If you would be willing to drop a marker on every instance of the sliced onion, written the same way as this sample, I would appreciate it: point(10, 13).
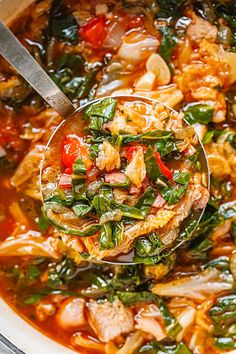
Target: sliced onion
point(114, 36)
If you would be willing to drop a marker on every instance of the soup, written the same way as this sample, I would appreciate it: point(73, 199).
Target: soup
point(181, 54)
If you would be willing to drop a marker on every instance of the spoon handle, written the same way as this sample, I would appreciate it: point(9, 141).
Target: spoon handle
point(19, 57)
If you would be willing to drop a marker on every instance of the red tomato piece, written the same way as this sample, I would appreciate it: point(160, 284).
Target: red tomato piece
point(65, 181)
point(74, 148)
point(68, 170)
point(164, 169)
point(94, 32)
point(130, 150)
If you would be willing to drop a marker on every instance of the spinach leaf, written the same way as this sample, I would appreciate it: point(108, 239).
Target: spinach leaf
point(33, 299)
point(128, 211)
point(164, 147)
point(145, 138)
point(57, 215)
point(146, 201)
point(111, 235)
point(32, 273)
point(73, 61)
point(168, 42)
point(149, 246)
point(153, 169)
point(181, 177)
point(61, 273)
point(88, 83)
point(159, 348)
point(99, 281)
point(172, 8)
point(225, 343)
point(79, 167)
point(64, 198)
point(81, 209)
point(42, 223)
point(172, 194)
point(211, 218)
point(223, 315)
point(105, 109)
point(221, 263)
point(105, 239)
point(62, 23)
point(199, 247)
point(198, 113)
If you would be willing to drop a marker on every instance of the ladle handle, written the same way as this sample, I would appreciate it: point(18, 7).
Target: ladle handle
point(19, 57)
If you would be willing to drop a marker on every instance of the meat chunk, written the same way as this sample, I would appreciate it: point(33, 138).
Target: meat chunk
point(201, 29)
point(71, 313)
point(149, 320)
point(108, 157)
point(109, 320)
point(201, 197)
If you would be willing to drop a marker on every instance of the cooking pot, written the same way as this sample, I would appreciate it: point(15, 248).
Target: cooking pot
point(16, 333)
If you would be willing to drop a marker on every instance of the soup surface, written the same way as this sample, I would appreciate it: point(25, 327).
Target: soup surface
point(178, 302)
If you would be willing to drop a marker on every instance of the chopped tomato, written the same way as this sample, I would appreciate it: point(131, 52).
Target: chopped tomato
point(68, 170)
point(65, 181)
point(94, 32)
point(164, 169)
point(74, 148)
point(130, 150)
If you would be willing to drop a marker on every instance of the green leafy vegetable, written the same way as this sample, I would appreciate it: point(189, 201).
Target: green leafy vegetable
point(170, 9)
point(173, 194)
point(159, 348)
point(32, 273)
point(146, 201)
point(79, 167)
point(81, 209)
point(199, 247)
point(165, 147)
point(198, 113)
point(145, 138)
point(181, 177)
point(33, 299)
point(62, 23)
point(168, 41)
point(73, 61)
point(149, 246)
point(223, 315)
point(42, 223)
point(105, 108)
point(225, 343)
point(105, 239)
point(57, 216)
point(153, 169)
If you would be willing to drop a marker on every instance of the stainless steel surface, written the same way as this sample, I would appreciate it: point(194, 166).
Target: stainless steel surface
point(18, 56)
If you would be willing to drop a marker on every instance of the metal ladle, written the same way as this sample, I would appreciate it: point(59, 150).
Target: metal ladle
point(18, 56)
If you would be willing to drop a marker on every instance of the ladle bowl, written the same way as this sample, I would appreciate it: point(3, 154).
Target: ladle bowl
point(51, 166)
